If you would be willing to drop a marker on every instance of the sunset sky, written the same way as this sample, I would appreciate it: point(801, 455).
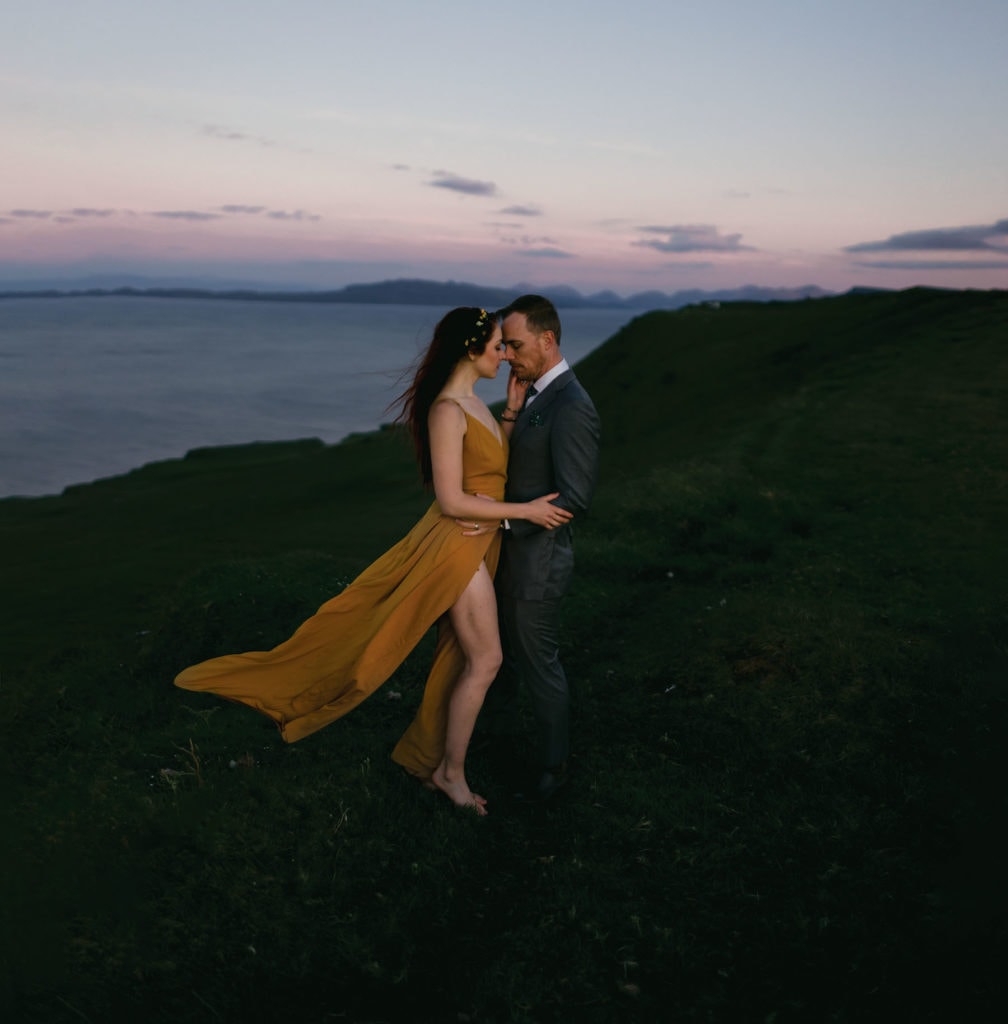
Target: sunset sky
point(631, 146)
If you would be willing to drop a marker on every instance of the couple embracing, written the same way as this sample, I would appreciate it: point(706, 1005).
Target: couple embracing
point(489, 562)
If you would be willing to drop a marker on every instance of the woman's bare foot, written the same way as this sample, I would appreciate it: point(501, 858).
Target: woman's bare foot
point(434, 788)
point(458, 792)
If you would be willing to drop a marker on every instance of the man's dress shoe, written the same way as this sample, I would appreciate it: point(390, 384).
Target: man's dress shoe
point(544, 787)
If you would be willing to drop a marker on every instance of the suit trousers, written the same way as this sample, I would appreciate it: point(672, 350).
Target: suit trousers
point(532, 656)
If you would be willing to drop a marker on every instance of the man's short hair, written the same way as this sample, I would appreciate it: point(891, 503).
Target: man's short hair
point(540, 314)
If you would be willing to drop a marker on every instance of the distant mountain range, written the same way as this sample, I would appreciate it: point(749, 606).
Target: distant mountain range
point(416, 292)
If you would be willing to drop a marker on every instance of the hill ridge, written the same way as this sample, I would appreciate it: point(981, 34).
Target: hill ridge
point(423, 292)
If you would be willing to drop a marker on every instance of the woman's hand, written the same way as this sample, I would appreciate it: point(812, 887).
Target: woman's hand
point(516, 389)
point(543, 513)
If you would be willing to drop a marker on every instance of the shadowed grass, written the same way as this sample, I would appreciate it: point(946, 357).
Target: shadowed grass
point(787, 644)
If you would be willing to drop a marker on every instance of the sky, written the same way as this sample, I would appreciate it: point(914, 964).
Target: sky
point(627, 146)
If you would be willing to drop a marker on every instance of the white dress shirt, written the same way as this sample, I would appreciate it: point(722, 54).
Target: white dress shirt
point(546, 379)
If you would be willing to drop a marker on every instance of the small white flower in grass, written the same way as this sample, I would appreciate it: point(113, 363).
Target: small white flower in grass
point(394, 695)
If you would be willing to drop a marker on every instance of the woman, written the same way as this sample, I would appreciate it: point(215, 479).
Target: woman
point(438, 573)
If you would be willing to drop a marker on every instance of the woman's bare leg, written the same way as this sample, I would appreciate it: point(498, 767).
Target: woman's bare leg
point(474, 619)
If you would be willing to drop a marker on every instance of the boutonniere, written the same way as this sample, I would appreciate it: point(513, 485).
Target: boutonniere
point(535, 420)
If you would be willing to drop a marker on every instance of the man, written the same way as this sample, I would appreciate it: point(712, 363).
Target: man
point(554, 447)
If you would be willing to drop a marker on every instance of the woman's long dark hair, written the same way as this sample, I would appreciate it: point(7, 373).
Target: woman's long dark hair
point(463, 330)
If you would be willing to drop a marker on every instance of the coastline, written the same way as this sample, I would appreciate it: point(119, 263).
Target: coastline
point(94, 388)
point(222, 455)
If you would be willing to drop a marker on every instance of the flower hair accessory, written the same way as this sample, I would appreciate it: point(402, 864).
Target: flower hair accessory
point(481, 322)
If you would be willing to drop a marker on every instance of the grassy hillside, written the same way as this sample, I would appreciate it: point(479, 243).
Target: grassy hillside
point(788, 646)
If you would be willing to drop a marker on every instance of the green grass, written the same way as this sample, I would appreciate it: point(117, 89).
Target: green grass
point(788, 646)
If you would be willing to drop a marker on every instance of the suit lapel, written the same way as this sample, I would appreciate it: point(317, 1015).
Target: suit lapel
point(540, 406)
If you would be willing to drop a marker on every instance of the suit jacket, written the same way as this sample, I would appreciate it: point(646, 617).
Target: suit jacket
point(554, 447)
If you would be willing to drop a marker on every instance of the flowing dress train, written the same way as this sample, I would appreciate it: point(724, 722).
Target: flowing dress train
point(356, 640)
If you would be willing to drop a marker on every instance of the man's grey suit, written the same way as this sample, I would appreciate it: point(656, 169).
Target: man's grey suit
point(554, 447)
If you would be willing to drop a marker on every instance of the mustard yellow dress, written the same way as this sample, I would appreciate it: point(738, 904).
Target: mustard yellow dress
point(357, 639)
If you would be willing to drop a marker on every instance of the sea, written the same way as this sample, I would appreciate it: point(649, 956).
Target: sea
point(92, 387)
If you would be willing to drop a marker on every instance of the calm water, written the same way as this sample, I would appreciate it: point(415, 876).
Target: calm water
point(94, 387)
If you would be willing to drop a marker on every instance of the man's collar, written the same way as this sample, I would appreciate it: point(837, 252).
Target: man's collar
point(551, 375)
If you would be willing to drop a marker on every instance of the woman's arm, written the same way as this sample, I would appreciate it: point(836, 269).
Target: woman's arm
point(447, 425)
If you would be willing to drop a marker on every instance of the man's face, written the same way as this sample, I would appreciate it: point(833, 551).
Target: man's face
point(529, 354)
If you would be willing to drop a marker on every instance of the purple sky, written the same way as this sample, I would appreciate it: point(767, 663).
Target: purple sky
point(630, 147)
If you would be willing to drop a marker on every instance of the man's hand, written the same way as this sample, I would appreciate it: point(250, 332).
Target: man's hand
point(479, 527)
